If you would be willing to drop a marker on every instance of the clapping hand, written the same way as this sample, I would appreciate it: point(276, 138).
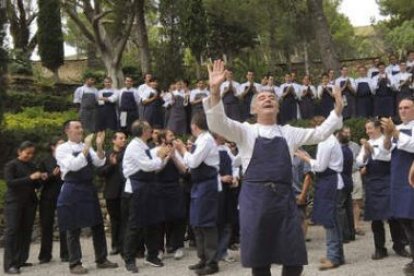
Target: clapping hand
point(100, 138)
point(303, 155)
point(88, 140)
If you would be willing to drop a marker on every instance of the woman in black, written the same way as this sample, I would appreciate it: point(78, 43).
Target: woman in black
point(22, 178)
point(47, 206)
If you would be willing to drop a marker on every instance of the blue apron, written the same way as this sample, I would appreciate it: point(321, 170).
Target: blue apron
point(364, 105)
point(327, 102)
point(307, 106)
point(377, 190)
point(146, 206)
point(402, 194)
point(270, 226)
point(373, 74)
point(288, 106)
point(177, 120)
point(349, 108)
point(87, 112)
point(106, 117)
point(128, 105)
point(204, 196)
point(245, 104)
point(78, 204)
point(151, 111)
point(347, 167)
point(324, 202)
point(231, 105)
point(171, 193)
point(384, 100)
point(195, 108)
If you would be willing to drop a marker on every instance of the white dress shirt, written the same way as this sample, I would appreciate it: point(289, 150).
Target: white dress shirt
point(195, 92)
point(245, 134)
point(321, 87)
point(371, 71)
point(366, 80)
point(136, 159)
point(134, 91)
point(351, 80)
point(391, 67)
point(147, 93)
point(77, 97)
point(142, 88)
point(273, 88)
point(296, 89)
point(303, 88)
point(379, 152)
point(225, 85)
point(329, 155)
point(405, 142)
point(154, 152)
point(398, 78)
point(168, 99)
point(68, 162)
point(242, 87)
point(113, 98)
point(377, 78)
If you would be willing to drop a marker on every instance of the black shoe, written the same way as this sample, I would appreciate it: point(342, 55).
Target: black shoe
point(409, 269)
point(197, 266)
point(379, 254)
point(154, 262)
point(207, 270)
point(44, 261)
point(106, 264)
point(12, 270)
point(25, 265)
point(131, 268)
point(402, 252)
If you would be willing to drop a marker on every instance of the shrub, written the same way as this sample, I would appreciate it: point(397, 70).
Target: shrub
point(16, 102)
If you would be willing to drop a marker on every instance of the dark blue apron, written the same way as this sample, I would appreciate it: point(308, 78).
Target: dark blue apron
point(364, 105)
point(87, 112)
point(402, 194)
point(231, 105)
point(307, 105)
point(204, 196)
point(106, 117)
point(288, 106)
point(177, 121)
point(78, 203)
point(270, 226)
point(327, 102)
point(171, 193)
point(349, 108)
point(347, 167)
point(384, 100)
point(373, 74)
point(324, 202)
point(195, 108)
point(245, 103)
point(150, 111)
point(128, 105)
point(227, 206)
point(146, 206)
point(394, 72)
point(377, 190)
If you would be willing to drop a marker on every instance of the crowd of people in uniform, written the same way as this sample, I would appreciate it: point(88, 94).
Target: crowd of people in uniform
point(241, 181)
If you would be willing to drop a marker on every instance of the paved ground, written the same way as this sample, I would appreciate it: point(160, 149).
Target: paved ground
point(357, 254)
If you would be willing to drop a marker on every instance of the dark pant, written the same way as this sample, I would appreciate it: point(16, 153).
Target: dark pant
point(47, 208)
point(408, 226)
point(346, 214)
point(207, 244)
point(99, 245)
point(19, 218)
point(173, 232)
point(224, 235)
point(396, 231)
point(125, 205)
point(114, 210)
point(151, 236)
point(286, 271)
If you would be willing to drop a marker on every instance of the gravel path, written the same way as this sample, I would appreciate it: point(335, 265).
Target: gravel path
point(357, 254)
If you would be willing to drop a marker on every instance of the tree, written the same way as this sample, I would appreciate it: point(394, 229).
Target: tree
point(107, 25)
point(398, 10)
point(21, 14)
point(323, 35)
point(142, 38)
point(50, 36)
point(3, 55)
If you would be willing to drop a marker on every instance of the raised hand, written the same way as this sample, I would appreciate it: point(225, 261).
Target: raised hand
point(388, 126)
point(216, 73)
point(88, 140)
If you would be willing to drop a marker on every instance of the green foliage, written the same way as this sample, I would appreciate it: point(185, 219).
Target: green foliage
point(3, 60)
point(99, 75)
point(49, 34)
point(402, 37)
point(17, 101)
point(398, 10)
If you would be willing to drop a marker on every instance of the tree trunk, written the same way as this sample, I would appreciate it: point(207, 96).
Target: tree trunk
point(114, 71)
point(286, 53)
point(272, 40)
point(93, 62)
point(323, 36)
point(306, 56)
point(198, 68)
point(142, 38)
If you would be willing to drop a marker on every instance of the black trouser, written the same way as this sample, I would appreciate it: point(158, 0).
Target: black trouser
point(190, 233)
point(286, 271)
point(99, 245)
point(408, 226)
point(114, 210)
point(173, 232)
point(125, 205)
point(207, 244)
point(396, 230)
point(150, 234)
point(19, 218)
point(346, 215)
point(47, 208)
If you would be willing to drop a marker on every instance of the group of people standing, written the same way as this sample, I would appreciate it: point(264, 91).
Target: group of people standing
point(233, 182)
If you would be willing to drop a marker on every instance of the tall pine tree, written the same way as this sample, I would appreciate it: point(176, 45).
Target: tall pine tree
point(3, 55)
point(50, 36)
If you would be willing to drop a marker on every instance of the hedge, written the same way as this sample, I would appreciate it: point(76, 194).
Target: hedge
point(16, 101)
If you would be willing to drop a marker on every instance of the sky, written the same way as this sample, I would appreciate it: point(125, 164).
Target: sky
point(360, 12)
